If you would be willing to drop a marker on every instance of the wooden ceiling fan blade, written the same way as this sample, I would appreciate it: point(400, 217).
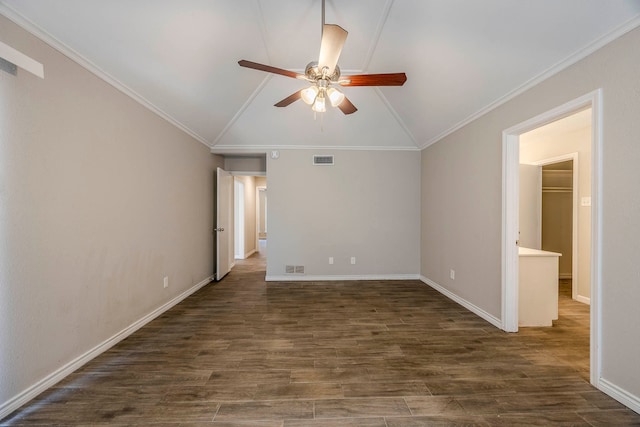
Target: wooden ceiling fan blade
point(269, 69)
point(347, 107)
point(391, 79)
point(289, 99)
point(333, 39)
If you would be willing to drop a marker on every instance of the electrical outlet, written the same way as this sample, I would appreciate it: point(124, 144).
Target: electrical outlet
point(330, 260)
point(166, 281)
point(353, 260)
point(452, 274)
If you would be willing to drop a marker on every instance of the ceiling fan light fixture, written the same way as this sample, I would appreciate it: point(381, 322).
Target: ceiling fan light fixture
point(335, 96)
point(319, 105)
point(309, 94)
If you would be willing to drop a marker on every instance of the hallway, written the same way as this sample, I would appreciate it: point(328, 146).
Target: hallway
point(243, 352)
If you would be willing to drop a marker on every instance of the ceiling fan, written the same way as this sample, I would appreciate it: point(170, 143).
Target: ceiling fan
point(325, 74)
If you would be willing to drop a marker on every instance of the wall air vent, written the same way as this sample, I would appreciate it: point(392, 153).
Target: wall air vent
point(294, 269)
point(319, 160)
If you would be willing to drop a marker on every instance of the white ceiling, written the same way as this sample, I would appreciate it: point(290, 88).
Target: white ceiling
point(461, 57)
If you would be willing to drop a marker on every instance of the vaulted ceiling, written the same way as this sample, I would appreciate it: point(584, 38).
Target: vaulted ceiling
point(461, 57)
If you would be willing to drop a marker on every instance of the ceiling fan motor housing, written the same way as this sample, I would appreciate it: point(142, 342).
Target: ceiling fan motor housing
point(314, 74)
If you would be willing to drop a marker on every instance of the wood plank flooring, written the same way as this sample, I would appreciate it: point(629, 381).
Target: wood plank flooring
point(243, 352)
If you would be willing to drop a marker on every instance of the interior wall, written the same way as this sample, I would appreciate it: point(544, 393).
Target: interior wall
point(365, 206)
point(462, 200)
point(540, 146)
point(100, 199)
point(253, 164)
point(557, 214)
point(249, 214)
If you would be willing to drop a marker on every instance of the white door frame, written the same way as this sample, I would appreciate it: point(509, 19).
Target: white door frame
point(510, 199)
point(574, 215)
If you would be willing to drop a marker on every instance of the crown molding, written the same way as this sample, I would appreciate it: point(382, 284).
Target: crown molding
point(263, 149)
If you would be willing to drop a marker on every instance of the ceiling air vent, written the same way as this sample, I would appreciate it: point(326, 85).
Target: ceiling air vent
point(319, 160)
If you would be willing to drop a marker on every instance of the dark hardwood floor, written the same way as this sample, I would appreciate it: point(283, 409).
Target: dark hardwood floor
point(243, 352)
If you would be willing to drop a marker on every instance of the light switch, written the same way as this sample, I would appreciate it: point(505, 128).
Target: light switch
point(585, 201)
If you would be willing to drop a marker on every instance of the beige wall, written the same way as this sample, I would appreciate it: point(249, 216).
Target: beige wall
point(366, 206)
point(557, 236)
point(255, 164)
point(535, 147)
point(99, 200)
point(462, 199)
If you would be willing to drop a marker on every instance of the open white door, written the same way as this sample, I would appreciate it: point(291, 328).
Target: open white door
point(224, 203)
point(530, 215)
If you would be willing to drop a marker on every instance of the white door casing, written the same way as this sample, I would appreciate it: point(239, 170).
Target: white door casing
point(510, 196)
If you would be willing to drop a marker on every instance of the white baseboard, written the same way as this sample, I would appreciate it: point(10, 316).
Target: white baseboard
point(583, 300)
point(333, 278)
point(629, 400)
point(466, 304)
point(17, 401)
point(248, 254)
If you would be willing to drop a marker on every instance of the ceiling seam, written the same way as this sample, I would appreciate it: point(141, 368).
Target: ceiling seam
point(377, 34)
point(393, 112)
point(263, 29)
point(83, 62)
point(242, 109)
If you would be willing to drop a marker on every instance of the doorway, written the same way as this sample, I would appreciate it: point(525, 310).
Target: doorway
point(511, 161)
point(238, 219)
point(561, 225)
point(248, 215)
point(261, 216)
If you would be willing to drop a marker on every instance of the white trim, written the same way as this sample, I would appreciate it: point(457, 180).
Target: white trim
point(597, 117)
point(629, 400)
point(510, 257)
point(247, 173)
point(567, 62)
point(251, 252)
point(463, 302)
point(21, 60)
point(510, 146)
point(575, 239)
point(20, 399)
point(583, 300)
point(260, 149)
point(70, 53)
point(332, 278)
